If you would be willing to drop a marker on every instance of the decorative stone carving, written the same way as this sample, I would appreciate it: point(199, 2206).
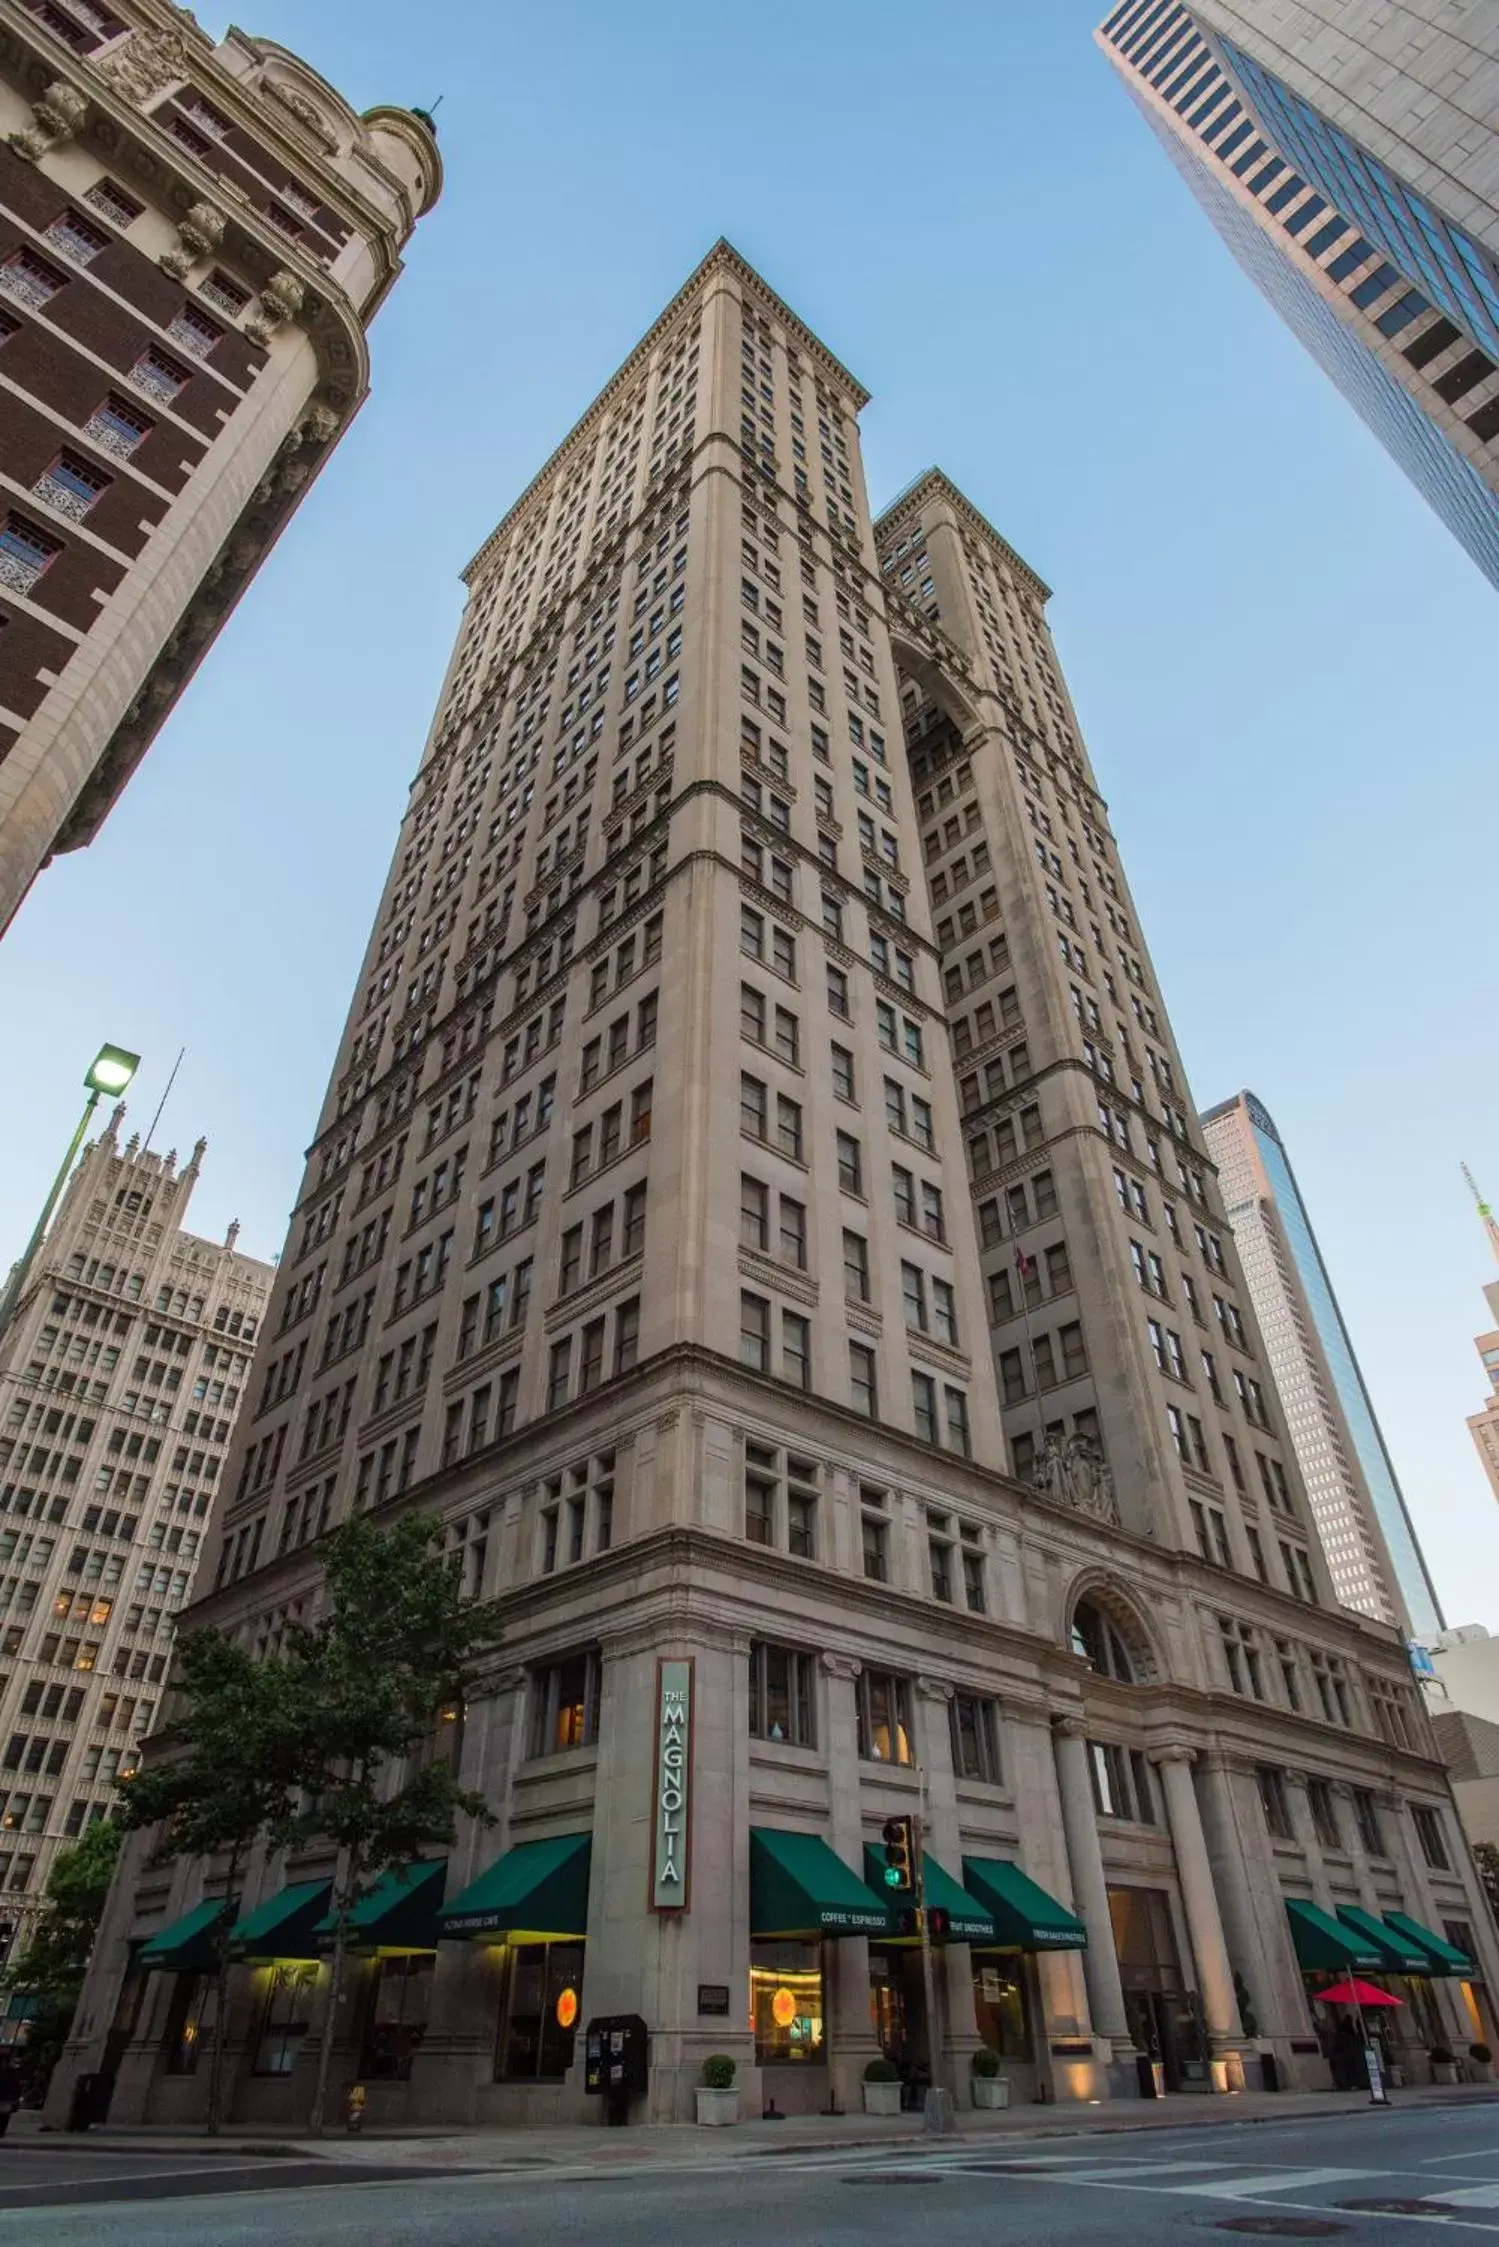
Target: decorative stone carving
point(149, 61)
point(199, 233)
point(1075, 1473)
point(840, 1665)
point(280, 299)
point(304, 109)
point(935, 1689)
point(319, 425)
point(58, 115)
point(1177, 1753)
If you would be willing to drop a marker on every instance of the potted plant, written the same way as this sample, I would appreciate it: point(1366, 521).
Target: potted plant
point(717, 2097)
point(882, 2087)
point(1443, 2064)
point(1480, 2063)
point(989, 2087)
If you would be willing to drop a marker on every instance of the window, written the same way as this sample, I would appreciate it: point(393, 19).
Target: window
point(1241, 1657)
point(25, 553)
point(843, 1072)
point(975, 1743)
point(565, 1705)
point(863, 1380)
point(850, 1164)
point(1324, 1814)
point(395, 2019)
point(1273, 1802)
point(1121, 1783)
point(190, 2018)
point(754, 1332)
point(533, 2046)
point(1366, 1818)
point(781, 1695)
point(780, 1499)
point(1431, 1834)
point(1095, 1637)
point(885, 1718)
point(754, 1214)
point(855, 1267)
point(875, 1535)
point(924, 1406)
point(796, 1353)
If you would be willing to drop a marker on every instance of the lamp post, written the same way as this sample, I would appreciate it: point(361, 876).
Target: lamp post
point(110, 1071)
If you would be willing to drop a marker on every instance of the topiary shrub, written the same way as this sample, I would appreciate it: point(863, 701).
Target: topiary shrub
point(1480, 2053)
point(986, 2061)
point(882, 2071)
point(1440, 2057)
point(719, 2072)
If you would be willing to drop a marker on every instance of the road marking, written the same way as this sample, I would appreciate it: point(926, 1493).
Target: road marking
point(1140, 2171)
point(1468, 2196)
point(1256, 2186)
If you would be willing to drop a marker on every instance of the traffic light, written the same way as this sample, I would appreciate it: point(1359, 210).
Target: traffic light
point(910, 1921)
point(938, 1923)
point(899, 1875)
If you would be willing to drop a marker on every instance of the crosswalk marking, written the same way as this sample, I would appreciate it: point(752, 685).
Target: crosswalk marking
point(1255, 2186)
point(1141, 2171)
point(1467, 2196)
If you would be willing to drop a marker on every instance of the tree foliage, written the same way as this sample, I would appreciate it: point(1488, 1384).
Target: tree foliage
point(51, 1968)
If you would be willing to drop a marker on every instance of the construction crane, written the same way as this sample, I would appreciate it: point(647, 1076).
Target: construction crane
point(1490, 1226)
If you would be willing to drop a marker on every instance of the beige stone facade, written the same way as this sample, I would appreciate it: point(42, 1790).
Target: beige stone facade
point(756, 1016)
point(194, 237)
point(121, 1371)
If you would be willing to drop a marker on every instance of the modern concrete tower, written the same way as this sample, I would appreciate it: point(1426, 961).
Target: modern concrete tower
point(1371, 1544)
point(716, 964)
point(1370, 223)
point(194, 238)
point(120, 1375)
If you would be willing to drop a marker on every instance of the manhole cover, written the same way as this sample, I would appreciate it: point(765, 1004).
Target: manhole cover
point(1280, 2227)
point(1397, 2207)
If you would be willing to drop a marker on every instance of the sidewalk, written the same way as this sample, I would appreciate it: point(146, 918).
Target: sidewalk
point(571, 2146)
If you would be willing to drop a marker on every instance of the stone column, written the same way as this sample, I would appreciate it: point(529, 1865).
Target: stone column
point(1090, 1889)
point(850, 2026)
point(1247, 1882)
point(952, 1963)
point(1194, 1872)
point(1306, 1840)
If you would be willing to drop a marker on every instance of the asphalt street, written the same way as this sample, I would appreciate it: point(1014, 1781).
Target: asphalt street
point(1389, 2178)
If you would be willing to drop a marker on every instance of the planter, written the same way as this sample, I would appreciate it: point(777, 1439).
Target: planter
point(990, 2090)
point(1480, 2071)
point(882, 2098)
point(716, 2109)
point(1444, 2071)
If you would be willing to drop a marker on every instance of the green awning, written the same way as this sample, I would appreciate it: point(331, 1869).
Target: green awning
point(399, 1913)
point(1025, 1917)
point(1398, 1952)
point(282, 1926)
point(539, 1889)
point(970, 1923)
point(799, 1887)
point(1324, 1946)
point(190, 1944)
point(1445, 1957)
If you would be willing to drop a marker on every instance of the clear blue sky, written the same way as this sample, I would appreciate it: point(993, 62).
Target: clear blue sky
point(1283, 663)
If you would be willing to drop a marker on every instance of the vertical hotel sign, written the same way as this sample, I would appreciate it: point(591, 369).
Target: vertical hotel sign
point(671, 1850)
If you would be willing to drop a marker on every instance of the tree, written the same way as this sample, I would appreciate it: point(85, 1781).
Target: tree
point(231, 1769)
point(396, 1646)
point(50, 1970)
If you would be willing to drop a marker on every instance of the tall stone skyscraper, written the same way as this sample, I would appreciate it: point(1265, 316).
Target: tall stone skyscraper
point(755, 920)
point(1371, 1544)
point(121, 1372)
point(194, 238)
point(1349, 157)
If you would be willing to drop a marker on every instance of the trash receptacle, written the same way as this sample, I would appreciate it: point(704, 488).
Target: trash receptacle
point(1269, 2072)
point(1145, 2067)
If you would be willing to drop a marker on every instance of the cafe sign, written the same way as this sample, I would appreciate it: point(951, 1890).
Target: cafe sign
point(670, 1851)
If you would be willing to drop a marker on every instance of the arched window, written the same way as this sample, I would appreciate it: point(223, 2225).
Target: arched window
point(1097, 1637)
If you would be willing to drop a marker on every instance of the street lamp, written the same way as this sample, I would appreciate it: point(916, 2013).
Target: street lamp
point(110, 1072)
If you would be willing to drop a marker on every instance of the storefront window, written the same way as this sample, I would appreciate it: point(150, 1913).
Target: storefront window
point(190, 2019)
point(884, 1718)
point(285, 2021)
point(1000, 2006)
point(786, 2003)
point(542, 2003)
point(396, 2018)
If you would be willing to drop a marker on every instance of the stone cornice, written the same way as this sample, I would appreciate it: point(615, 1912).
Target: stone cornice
point(722, 258)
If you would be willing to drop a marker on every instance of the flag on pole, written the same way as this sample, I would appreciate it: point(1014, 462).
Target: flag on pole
point(1024, 1264)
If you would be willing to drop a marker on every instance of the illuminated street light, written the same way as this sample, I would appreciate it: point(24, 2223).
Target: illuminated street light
point(110, 1071)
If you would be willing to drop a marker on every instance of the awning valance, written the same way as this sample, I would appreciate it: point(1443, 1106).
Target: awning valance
point(968, 1921)
point(1025, 1917)
point(1324, 1946)
point(190, 1944)
point(282, 1926)
point(1445, 1957)
point(400, 1911)
point(798, 1887)
point(539, 1889)
point(1399, 1953)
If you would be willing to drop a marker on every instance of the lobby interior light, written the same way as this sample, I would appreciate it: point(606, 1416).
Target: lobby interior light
point(112, 1070)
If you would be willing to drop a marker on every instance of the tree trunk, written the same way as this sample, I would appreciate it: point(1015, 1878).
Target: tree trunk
point(221, 1988)
point(347, 1889)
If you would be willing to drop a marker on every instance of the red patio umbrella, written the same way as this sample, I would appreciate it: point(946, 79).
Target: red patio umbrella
point(1357, 1993)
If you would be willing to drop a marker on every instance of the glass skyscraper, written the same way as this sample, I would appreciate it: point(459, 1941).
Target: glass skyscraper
point(1397, 302)
point(1372, 1550)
